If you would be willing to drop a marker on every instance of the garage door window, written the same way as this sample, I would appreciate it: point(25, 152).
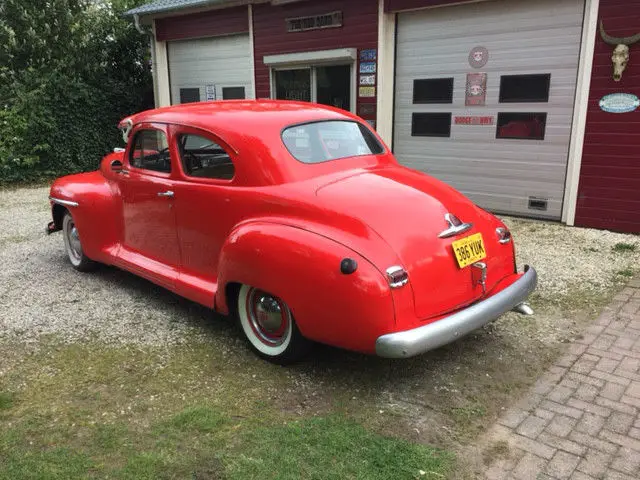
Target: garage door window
point(233, 93)
point(521, 126)
point(431, 125)
point(203, 158)
point(151, 151)
point(525, 88)
point(433, 90)
point(189, 95)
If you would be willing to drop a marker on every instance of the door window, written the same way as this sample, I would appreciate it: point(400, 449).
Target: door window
point(333, 86)
point(151, 151)
point(203, 158)
point(328, 85)
point(293, 84)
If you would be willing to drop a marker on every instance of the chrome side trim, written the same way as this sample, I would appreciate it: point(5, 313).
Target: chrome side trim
point(66, 203)
point(446, 330)
point(455, 227)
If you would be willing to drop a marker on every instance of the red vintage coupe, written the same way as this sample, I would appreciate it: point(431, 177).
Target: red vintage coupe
point(298, 219)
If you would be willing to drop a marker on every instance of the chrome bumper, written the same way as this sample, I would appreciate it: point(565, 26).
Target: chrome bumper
point(448, 329)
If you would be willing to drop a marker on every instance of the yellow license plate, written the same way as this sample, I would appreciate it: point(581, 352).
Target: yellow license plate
point(469, 250)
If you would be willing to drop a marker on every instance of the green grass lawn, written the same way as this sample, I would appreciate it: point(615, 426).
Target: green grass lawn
point(89, 411)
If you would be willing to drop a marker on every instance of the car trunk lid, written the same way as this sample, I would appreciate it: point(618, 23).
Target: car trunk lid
point(407, 209)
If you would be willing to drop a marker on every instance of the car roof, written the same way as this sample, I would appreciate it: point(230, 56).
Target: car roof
point(235, 116)
point(253, 128)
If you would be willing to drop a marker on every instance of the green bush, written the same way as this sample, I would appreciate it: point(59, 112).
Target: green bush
point(69, 71)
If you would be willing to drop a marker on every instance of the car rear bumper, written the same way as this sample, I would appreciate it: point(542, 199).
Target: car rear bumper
point(448, 329)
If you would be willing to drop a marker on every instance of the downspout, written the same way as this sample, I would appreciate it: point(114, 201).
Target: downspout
point(152, 43)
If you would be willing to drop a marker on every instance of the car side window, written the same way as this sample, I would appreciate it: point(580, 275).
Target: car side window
point(151, 151)
point(203, 158)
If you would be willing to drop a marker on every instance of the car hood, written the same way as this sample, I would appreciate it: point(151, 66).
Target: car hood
point(407, 209)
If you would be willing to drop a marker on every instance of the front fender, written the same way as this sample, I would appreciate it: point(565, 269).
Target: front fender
point(95, 210)
point(303, 269)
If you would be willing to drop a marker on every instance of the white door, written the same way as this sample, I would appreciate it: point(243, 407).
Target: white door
point(214, 68)
point(508, 152)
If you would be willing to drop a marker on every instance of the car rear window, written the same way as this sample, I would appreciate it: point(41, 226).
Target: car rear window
point(319, 142)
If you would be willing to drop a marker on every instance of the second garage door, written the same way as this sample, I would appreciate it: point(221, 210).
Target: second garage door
point(210, 69)
point(484, 99)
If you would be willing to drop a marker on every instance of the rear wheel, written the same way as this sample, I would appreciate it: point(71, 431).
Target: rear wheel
point(73, 246)
point(269, 326)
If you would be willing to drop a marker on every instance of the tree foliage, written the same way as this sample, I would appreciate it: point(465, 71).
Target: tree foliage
point(69, 71)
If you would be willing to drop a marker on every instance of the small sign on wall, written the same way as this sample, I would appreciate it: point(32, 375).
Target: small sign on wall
point(367, 79)
point(476, 91)
point(366, 109)
point(619, 103)
point(473, 120)
point(368, 55)
point(210, 92)
point(367, 92)
point(368, 67)
point(478, 57)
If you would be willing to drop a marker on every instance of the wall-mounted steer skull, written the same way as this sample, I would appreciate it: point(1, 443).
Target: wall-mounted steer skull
point(620, 55)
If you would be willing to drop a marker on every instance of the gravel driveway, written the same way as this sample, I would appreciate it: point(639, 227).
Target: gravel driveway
point(41, 294)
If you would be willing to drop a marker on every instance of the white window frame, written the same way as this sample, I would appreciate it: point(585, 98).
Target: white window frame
point(313, 60)
point(314, 80)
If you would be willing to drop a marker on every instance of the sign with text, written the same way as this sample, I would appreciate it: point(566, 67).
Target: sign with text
point(368, 67)
point(366, 92)
point(473, 120)
point(210, 92)
point(315, 22)
point(368, 55)
point(367, 79)
point(476, 92)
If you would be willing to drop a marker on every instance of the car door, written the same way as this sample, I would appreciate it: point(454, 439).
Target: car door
point(150, 242)
point(208, 203)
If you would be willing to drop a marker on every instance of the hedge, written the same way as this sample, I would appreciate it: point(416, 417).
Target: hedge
point(69, 71)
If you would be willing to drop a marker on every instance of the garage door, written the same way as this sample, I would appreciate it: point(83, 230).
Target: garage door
point(484, 99)
point(210, 69)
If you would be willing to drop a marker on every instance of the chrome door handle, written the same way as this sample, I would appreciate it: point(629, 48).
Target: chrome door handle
point(168, 193)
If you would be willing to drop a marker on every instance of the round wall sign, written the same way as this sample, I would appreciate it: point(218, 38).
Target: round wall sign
point(619, 103)
point(478, 57)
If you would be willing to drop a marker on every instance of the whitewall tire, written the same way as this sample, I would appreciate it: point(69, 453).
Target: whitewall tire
point(73, 245)
point(269, 326)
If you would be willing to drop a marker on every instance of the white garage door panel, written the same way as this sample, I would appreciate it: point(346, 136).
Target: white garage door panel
point(220, 61)
point(522, 37)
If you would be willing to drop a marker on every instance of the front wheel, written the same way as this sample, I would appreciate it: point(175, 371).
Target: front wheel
point(73, 247)
point(269, 326)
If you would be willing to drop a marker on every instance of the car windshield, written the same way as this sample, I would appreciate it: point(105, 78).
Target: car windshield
point(319, 142)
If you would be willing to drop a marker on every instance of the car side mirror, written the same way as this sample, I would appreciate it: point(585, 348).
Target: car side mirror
point(116, 166)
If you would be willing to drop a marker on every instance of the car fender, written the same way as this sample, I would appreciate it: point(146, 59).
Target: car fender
point(303, 269)
point(95, 207)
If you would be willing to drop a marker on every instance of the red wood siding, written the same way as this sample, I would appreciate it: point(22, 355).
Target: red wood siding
point(203, 24)
point(609, 188)
point(399, 5)
point(359, 30)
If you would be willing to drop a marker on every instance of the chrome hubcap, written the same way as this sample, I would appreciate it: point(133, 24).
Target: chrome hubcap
point(269, 317)
point(75, 248)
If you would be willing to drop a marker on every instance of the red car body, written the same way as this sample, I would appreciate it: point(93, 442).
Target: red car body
point(285, 227)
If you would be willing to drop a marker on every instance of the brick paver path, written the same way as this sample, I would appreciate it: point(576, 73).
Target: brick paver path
point(581, 420)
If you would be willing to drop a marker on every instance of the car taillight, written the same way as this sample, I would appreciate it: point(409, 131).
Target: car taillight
point(504, 235)
point(397, 276)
